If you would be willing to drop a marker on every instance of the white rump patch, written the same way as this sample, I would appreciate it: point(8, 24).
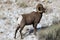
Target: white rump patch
point(19, 19)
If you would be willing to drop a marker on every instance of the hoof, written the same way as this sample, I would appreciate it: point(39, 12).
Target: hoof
point(34, 33)
point(21, 38)
point(14, 37)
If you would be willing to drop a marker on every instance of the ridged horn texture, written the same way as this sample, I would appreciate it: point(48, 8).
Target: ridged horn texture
point(40, 8)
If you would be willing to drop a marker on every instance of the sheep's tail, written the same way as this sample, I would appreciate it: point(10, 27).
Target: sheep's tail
point(16, 31)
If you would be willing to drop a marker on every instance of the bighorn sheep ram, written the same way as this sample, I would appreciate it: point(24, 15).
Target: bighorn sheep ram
point(31, 18)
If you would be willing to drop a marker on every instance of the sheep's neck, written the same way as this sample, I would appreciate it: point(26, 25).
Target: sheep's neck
point(40, 14)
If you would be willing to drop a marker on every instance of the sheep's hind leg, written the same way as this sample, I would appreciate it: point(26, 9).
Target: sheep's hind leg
point(21, 31)
point(16, 31)
point(22, 26)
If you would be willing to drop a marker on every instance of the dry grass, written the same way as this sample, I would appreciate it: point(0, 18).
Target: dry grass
point(23, 4)
point(50, 33)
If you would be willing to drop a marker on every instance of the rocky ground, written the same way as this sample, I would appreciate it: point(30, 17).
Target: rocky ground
point(11, 10)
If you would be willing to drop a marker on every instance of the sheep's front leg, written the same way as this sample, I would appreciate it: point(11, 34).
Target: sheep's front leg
point(35, 28)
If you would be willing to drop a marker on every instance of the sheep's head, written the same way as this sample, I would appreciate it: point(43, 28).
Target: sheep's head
point(40, 8)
